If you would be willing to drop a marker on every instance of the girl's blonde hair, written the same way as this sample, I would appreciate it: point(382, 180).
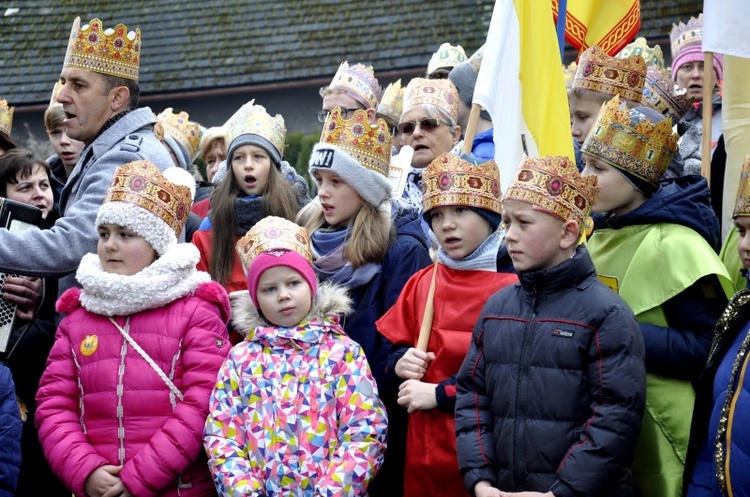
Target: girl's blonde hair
point(371, 232)
point(279, 198)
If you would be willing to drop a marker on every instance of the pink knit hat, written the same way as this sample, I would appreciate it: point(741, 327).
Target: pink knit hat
point(686, 44)
point(695, 54)
point(288, 258)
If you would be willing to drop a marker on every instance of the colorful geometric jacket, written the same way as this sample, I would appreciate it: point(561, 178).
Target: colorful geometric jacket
point(295, 411)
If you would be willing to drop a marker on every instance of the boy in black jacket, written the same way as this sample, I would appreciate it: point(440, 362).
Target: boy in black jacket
point(551, 394)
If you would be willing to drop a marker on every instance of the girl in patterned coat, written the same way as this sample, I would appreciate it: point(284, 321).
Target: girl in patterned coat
point(295, 410)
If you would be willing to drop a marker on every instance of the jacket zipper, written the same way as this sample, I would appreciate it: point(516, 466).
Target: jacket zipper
point(519, 464)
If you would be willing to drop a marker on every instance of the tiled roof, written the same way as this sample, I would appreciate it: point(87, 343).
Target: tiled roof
point(191, 45)
point(657, 17)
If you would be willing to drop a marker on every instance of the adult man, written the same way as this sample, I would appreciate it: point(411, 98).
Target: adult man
point(353, 87)
point(99, 96)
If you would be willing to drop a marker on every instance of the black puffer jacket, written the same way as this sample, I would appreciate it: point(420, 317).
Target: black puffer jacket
point(551, 394)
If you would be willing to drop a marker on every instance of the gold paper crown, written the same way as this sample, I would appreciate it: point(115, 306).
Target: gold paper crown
point(184, 131)
point(652, 56)
point(6, 117)
point(475, 61)
point(253, 119)
point(369, 145)
point(742, 204)
point(142, 184)
point(663, 95)
point(438, 92)
point(639, 148)
point(55, 92)
point(392, 104)
point(449, 180)
point(553, 185)
point(447, 56)
point(686, 35)
point(273, 233)
point(116, 52)
point(599, 72)
point(359, 80)
point(569, 72)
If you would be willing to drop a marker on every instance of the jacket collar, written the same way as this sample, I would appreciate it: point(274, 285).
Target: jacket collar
point(565, 275)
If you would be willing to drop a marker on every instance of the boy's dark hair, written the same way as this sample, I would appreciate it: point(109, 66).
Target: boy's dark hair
point(16, 164)
point(54, 117)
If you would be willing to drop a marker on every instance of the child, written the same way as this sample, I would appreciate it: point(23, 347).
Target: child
point(296, 375)
point(259, 185)
point(462, 207)
point(717, 457)
point(655, 244)
point(25, 178)
point(369, 244)
point(123, 401)
point(67, 150)
point(213, 152)
point(550, 396)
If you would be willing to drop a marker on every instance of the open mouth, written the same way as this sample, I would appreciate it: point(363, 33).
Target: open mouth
point(452, 240)
point(250, 180)
point(327, 208)
point(421, 147)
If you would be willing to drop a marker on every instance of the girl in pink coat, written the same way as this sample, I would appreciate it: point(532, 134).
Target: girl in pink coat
point(124, 398)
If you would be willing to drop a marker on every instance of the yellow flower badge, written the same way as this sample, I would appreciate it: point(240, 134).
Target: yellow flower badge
point(89, 345)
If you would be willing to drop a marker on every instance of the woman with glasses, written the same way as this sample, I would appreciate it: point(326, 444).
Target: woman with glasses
point(429, 126)
point(353, 87)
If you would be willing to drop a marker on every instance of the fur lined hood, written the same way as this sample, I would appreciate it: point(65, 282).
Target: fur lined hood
point(331, 299)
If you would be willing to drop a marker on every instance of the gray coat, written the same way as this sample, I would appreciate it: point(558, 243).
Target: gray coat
point(56, 252)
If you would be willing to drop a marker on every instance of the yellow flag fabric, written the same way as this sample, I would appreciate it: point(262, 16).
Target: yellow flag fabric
point(609, 24)
point(521, 85)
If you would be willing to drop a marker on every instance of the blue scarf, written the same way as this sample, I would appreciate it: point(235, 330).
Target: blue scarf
point(484, 258)
point(329, 260)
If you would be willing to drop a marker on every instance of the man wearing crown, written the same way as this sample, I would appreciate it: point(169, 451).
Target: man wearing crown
point(99, 95)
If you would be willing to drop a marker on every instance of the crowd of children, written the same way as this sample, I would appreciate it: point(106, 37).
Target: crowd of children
point(580, 334)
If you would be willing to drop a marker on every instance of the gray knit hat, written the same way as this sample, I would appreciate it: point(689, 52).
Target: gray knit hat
point(464, 78)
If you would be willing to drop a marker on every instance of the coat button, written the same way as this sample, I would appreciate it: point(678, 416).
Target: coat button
point(133, 137)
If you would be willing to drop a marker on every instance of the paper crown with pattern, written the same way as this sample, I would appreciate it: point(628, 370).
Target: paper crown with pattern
point(392, 103)
point(450, 180)
point(663, 95)
point(273, 234)
point(181, 129)
point(687, 35)
point(641, 148)
point(253, 119)
point(359, 82)
point(569, 73)
point(742, 204)
point(552, 184)
point(652, 56)
point(441, 93)
point(116, 52)
point(6, 117)
point(369, 145)
point(599, 72)
point(446, 57)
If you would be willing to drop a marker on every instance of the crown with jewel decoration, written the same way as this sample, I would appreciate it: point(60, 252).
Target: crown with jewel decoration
point(636, 146)
point(652, 56)
point(450, 180)
point(253, 119)
point(687, 35)
point(553, 185)
point(663, 95)
point(6, 117)
point(181, 129)
point(599, 72)
point(441, 93)
point(116, 52)
point(392, 103)
point(359, 82)
point(273, 234)
point(369, 145)
point(742, 204)
point(446, 57)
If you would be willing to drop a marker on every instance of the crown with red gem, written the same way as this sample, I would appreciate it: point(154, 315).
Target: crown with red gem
point(441, 93)
point(369, 145)
point(652, 56)
point(627, 141)
point(450, 180)
point(273, 234)
point(6, 117)
point(116, 52)
point(663, 95)
point(359, 82)
point(687, 35)
point(742, 204)
point(601, 73)
point(446, 57)
point(553, 185)
point(392, 103)
point(181, 129)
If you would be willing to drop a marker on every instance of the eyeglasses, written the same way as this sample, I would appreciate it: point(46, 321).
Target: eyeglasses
point(322, 115)
point(427, 125)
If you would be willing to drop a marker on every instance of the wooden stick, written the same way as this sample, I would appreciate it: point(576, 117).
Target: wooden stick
point(471, 128)
point(429, 312)
point(707, 118)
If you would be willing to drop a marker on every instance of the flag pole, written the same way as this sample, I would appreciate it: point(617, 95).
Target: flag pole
point(562, 13)
point(471, 129)
point(707, 118)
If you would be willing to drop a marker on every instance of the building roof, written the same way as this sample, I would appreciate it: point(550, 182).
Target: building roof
point(193, 45)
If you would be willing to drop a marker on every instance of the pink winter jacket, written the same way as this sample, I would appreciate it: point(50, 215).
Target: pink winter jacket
point(99, 402)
